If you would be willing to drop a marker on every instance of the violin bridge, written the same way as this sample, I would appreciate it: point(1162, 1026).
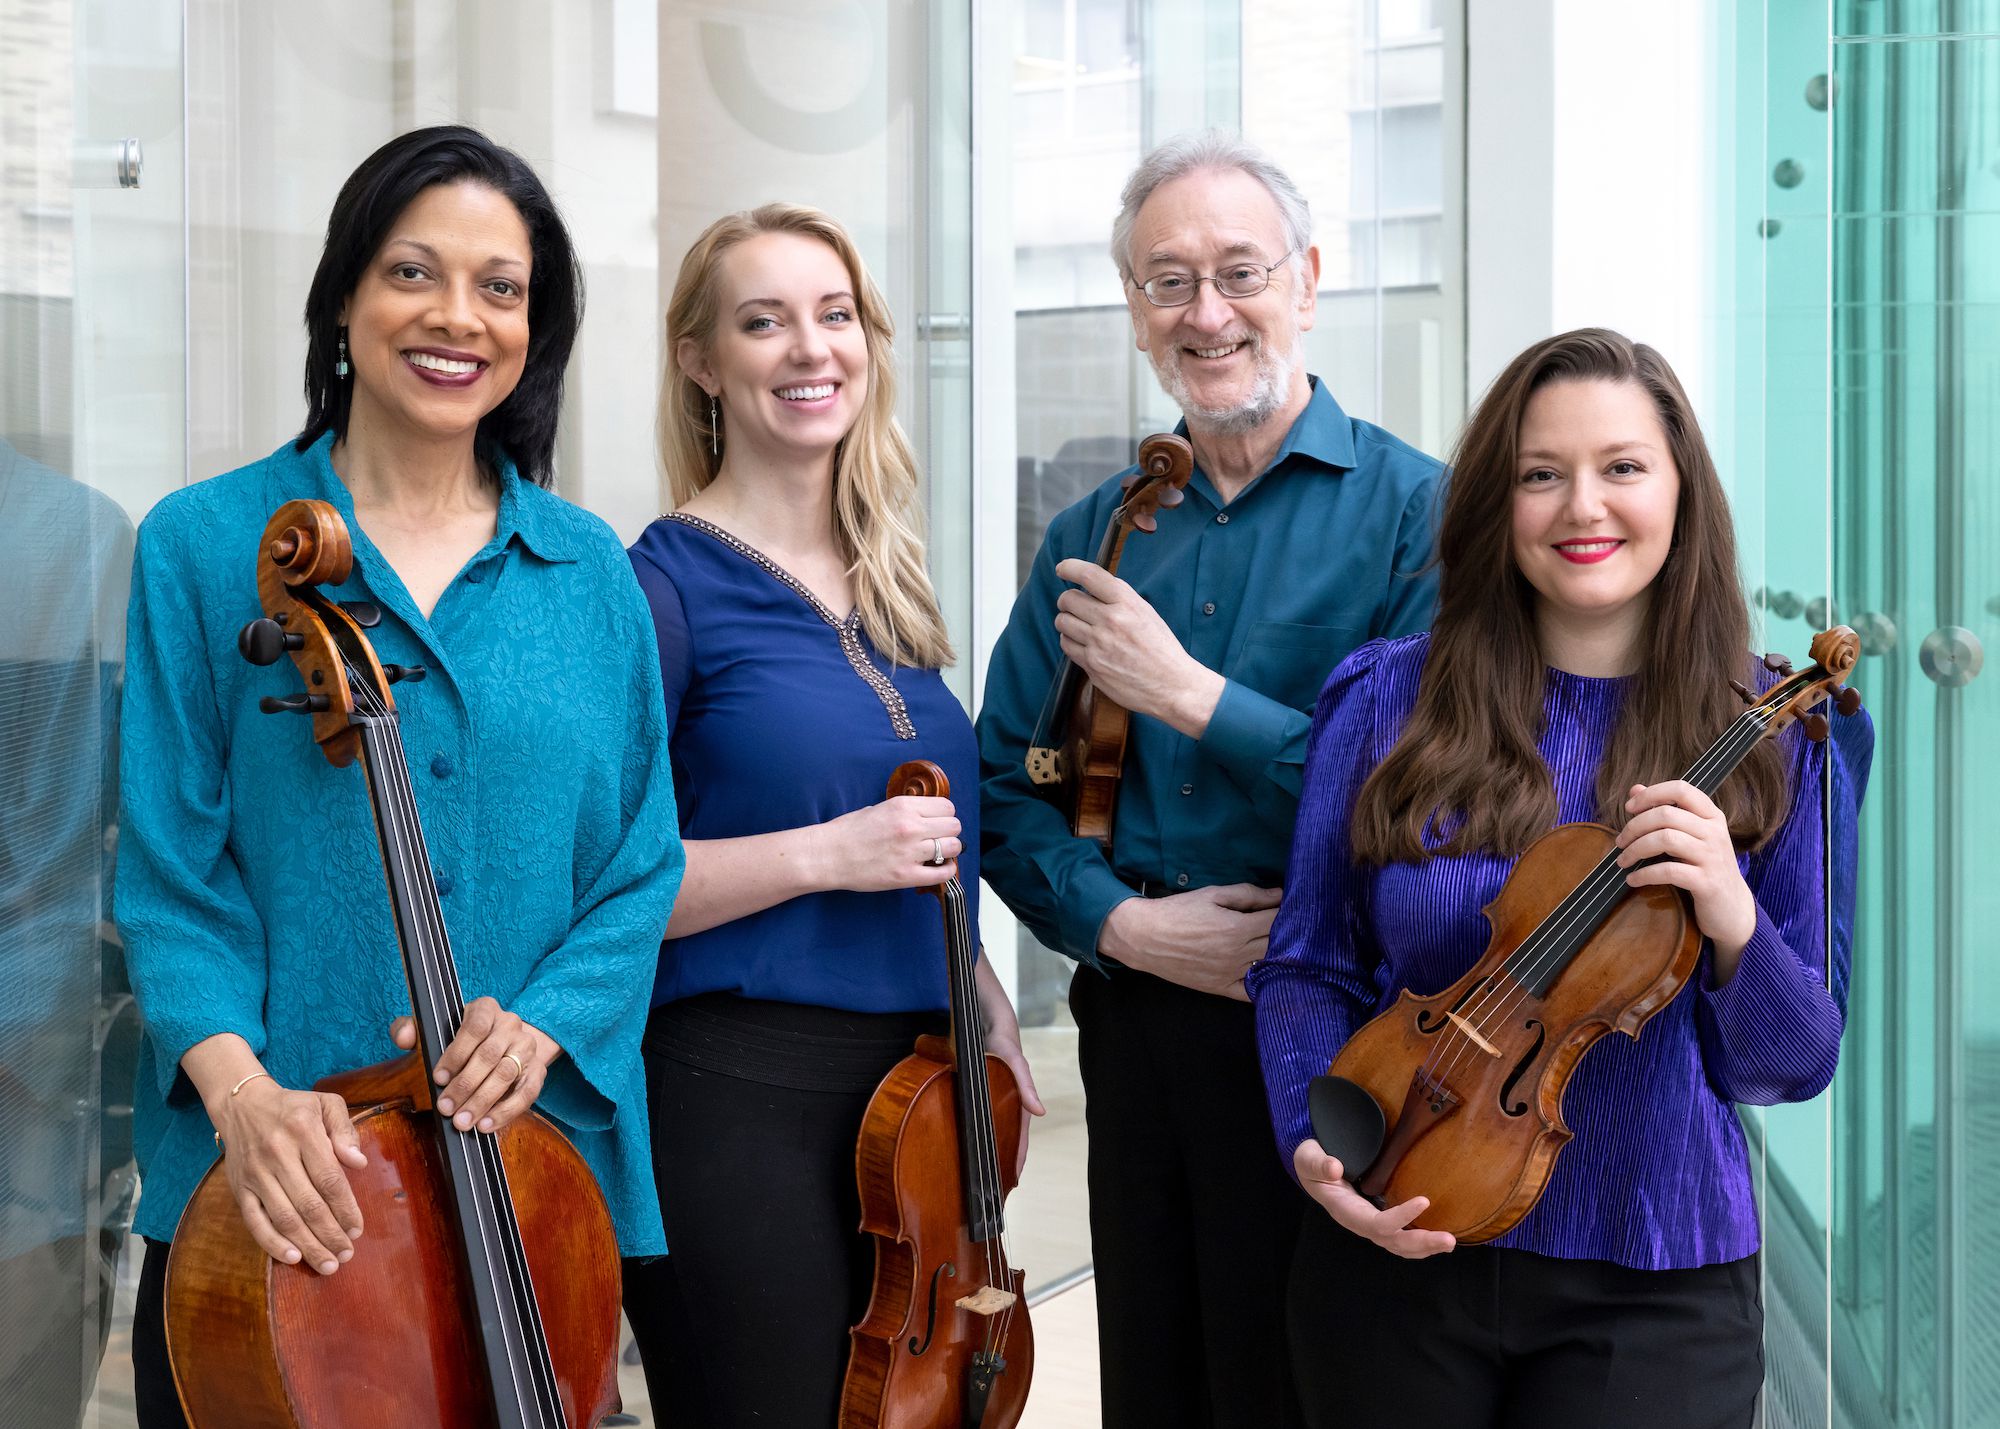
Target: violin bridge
point(1467, 1028)
point(987, 1300)
point(1044, 764)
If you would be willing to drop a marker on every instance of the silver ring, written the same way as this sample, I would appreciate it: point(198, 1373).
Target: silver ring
point(937, 854)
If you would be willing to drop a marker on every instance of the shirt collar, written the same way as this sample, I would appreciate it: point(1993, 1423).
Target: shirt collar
point(521, 514)
point(1322, 434)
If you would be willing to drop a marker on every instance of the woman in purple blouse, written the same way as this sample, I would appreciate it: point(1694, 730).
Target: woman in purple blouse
point(1588, 626)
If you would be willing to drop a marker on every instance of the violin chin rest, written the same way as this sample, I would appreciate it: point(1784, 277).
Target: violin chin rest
point(1348, 1123)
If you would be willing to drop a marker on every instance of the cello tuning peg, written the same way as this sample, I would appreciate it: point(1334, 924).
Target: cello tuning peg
point(292, 704)
point(263, 641)
point(364, 613)
point(397, 673)
point(1814, 726)
point(1743, 692)
point(1848, 701)
point(1777, 664)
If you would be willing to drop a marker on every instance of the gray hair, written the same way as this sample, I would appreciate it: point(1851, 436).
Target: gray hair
point(1186, 154)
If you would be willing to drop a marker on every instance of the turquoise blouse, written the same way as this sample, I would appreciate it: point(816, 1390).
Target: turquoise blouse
point(250, 892)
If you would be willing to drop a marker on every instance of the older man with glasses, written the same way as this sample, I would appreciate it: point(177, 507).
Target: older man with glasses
point(1304, 533)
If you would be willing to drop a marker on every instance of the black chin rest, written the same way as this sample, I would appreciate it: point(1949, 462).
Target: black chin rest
point(1347, 1123)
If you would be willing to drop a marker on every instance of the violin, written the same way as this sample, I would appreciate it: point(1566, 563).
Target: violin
point(1458, 1096)
point(1078, 751)
point(946, 1342)
point(486, 1292)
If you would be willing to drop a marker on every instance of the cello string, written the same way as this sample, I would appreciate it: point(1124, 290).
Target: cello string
point(447, 1001)
point(1581, 909)
point(499, 1192)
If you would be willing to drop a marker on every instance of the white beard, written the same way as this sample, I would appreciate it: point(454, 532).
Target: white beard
point(1272, 385)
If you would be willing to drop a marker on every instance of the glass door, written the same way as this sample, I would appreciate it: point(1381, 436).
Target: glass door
point(92, 432)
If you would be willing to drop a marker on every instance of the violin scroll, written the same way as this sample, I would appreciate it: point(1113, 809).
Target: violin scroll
point(921, 778)
point(1834, 653)
point(1166, 462)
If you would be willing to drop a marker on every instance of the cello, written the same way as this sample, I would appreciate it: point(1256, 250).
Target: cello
point(487, 1290)
point(1077, 754)
point(945, 1343)
point(1458, 1095)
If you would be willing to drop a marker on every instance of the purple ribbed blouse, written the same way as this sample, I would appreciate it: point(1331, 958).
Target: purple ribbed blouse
point(1658, 1175)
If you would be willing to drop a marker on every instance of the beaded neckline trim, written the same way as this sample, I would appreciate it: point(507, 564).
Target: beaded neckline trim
point(848, 630)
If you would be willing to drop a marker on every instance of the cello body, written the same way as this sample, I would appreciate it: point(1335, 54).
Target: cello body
point(388, 1339)
point(924, 1262)
point(485, 1291)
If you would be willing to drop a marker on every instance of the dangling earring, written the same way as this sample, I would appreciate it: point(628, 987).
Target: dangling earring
point(340, 364)
point(714, 427)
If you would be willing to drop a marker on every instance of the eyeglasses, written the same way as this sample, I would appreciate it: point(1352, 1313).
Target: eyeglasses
point(1238, 280)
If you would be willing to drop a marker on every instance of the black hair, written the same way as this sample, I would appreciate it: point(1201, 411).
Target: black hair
point(523, 426)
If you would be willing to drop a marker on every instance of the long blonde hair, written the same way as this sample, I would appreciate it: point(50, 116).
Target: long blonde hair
point(877, 519)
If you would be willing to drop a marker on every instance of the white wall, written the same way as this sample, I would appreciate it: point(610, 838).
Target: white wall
point(1588, 131)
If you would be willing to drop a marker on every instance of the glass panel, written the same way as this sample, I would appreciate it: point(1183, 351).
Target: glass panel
point(92, 351)
point(1917, 291)
point(1916, 17)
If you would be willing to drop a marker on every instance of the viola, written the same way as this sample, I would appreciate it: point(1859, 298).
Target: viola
point(486, 1290)
point(1458, 1096)
point(946, 1342)
point(1078, 750)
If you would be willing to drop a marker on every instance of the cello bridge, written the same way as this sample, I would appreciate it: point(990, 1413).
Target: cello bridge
point(987, 1300)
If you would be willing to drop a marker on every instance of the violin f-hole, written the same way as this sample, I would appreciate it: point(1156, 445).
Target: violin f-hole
point(930, 1324)
point(1521, 1069)
point(1430, 1024)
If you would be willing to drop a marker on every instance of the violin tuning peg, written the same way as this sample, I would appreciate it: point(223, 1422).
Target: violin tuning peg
point(1848, 701)
point(292, 704)
point(263, 641)
point(1814, 726)
point(1743, 692)
point(364, 613)
point(1777, 664)
point(398, 673)
point(1172, 496)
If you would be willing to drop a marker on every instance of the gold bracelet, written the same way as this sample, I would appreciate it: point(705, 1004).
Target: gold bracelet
point(248, 1080)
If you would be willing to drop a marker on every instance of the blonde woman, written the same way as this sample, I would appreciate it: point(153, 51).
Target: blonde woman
point(800, 641)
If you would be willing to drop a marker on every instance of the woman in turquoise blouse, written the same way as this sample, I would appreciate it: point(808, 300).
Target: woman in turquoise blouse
point(250, 890)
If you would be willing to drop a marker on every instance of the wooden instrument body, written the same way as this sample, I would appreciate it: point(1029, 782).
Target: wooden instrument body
point(913, 1348)
point(388, 1339)
point(1485, 1157)
point(1086, 762)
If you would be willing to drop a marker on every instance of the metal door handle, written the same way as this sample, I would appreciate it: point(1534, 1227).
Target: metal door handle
point(1951, 655)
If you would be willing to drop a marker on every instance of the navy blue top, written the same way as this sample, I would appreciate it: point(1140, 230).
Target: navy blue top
point(781, 715)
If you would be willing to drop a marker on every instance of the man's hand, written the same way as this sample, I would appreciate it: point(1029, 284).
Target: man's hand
point(1114, 633)
point(1205, 940)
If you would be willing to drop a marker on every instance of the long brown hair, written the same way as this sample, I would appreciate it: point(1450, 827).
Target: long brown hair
point(1467, 766)
point(878, 519)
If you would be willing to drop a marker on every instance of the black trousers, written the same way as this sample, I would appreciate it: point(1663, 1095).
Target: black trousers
point(157, 1401)
point(1192, 1217)
point(1481, 1338)
point(745, 1321)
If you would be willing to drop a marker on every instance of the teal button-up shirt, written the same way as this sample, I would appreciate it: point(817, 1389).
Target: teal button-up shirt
point(1327, 549)
point(250, 890)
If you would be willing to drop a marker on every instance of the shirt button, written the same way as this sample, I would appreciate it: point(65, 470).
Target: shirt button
point(1222, 518)
point(443, 884)
point(1208, 607)
point(1181, 879)
point(441, 767)
point(1187, 788)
